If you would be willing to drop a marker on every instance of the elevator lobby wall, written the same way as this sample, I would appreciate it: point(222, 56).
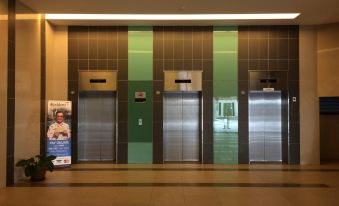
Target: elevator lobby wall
point(27, 84)
point(56, 62)
point(56, 88)
point(128, 50)
point(3, 89)
point(70, 49)
point(309, 101)
point(175, 48)
point(328, 84)
point(41, 61)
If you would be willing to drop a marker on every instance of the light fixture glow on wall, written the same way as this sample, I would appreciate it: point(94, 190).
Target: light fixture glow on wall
point(171, 16)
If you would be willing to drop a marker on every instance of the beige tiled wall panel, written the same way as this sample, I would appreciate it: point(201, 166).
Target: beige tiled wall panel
point(56, 62)
point(328, 85)
point(328, 36)
point(328, 60)
point(3, 90)
point(27, 90)
point(328, 70)
point(309, 103)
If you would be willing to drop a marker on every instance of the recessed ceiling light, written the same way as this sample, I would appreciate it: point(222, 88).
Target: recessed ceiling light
point(171, 16)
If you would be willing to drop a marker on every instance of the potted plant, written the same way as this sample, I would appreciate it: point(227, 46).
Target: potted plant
point(35, 167)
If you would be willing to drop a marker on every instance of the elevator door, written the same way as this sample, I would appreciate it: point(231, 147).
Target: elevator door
point(96, 129)
point(265, 126)
point(181, 126)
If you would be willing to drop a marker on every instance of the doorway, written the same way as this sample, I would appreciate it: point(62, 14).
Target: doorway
point(182, 123)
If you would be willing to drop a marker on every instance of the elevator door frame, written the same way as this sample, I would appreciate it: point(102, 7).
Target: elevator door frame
point(199, 94)
point(257, 136)
point(115, 129)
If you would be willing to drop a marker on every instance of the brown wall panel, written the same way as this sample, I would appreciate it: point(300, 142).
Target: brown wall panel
point(99, 48)
point(183, 48)
point(10, 94)
point(269, 48)
point(328, 62)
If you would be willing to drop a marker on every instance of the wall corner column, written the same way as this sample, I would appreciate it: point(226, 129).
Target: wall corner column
point(309, 101)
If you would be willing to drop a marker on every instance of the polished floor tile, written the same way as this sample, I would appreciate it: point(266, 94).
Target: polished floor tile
point(180, 184)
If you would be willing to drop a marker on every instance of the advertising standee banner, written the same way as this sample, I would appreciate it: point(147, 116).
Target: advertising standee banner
point(59, 131)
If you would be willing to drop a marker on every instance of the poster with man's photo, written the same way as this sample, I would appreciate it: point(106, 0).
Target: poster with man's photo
point(59, 131)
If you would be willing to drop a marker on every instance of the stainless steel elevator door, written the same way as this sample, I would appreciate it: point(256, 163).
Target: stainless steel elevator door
point(190, 126)
point(181, 126)
point(173, 126)
point(265, 126)
point(96, 126)
point(257, 126)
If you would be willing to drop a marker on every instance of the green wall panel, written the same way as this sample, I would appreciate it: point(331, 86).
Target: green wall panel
point(225, 67)
point(228, 32)
point(225, 92)
point(140, 53)
point(225, 89)
point(140, 110)
point(140, 76)
point(140, 133)
point(140, 152)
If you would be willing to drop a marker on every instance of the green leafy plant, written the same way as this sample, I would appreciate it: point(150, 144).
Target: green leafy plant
point(35, 167)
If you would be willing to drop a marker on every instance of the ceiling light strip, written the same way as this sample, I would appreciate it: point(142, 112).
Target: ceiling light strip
point(171, 16)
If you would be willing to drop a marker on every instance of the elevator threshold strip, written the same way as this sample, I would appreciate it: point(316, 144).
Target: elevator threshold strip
point(225, 185)
point(199, 169)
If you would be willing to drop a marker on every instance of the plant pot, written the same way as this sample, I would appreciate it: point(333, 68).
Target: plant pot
point(38, 175)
